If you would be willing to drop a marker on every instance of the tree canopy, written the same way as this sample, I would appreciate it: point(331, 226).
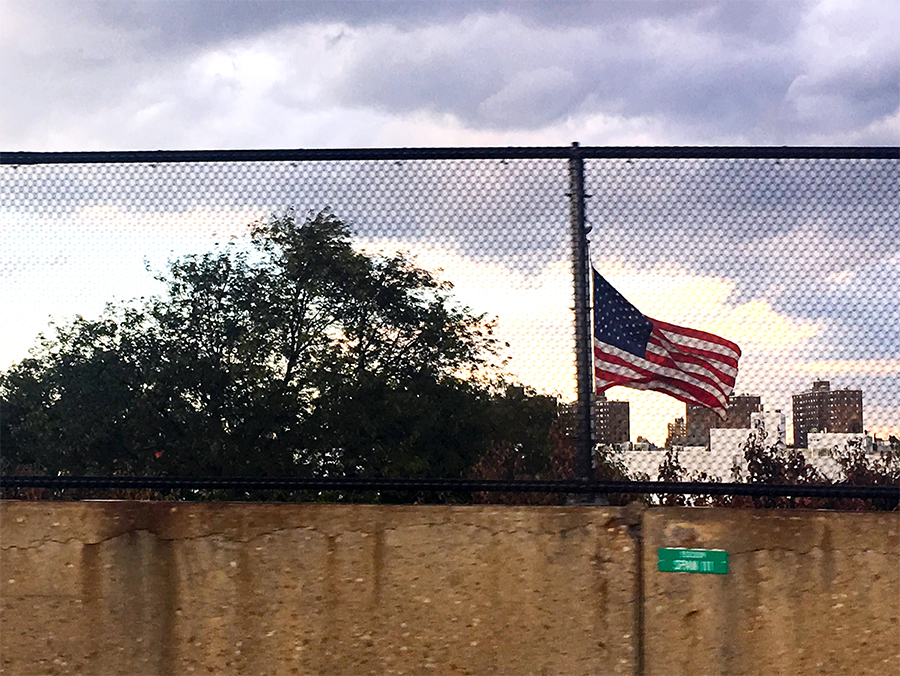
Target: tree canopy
point(295, 356)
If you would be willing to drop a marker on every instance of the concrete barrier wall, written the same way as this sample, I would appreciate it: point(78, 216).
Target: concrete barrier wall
point(155, 588)
point(162, 588)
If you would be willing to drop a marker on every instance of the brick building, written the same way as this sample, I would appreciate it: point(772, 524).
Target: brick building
point(822, 409)
point(612, 421)
point(677, 433)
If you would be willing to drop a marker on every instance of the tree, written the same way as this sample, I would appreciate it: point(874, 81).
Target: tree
point(528, 441)
point(295, 356)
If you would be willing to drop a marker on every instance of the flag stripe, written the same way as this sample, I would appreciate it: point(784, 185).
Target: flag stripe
point(662, 362)
point(725, 361)
point(621, 367)
point(669, 386)
point(702, 336)
point(690, 362)
point(691, 373)
point(726, 352)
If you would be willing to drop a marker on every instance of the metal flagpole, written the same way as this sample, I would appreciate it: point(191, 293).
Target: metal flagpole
point(583, 340)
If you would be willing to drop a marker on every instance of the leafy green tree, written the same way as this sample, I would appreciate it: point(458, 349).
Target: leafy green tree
point(297, 356)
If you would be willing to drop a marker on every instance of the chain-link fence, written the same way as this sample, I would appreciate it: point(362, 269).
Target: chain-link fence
point(790, 253)
point(793, 258)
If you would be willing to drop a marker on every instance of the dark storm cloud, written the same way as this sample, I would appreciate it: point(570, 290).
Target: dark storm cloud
point(713, 68)
point(745, 201)
point(734, 93)
point(767, 22)
point(176, 24)
point(512, 211)
point(850, 94)
point(201, 22)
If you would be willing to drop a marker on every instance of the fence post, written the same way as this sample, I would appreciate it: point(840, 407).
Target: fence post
point(583, 340)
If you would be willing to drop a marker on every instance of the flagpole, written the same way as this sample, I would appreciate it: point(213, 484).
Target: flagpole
point(583, 342)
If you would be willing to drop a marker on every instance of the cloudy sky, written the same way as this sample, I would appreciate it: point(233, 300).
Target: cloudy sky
point(809, 290)
point(184, 74)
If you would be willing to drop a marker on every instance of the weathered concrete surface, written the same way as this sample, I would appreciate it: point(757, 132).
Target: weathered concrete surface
point(163, 588)
point(807, 593)
point(160, 588)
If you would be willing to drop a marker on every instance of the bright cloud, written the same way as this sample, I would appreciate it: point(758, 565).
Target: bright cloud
point(674, 294)
point(50, 270)
point(195, 223)
point(841, 277)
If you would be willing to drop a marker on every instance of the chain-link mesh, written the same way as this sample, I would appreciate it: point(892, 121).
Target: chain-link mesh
point(796, 260)
point(498, 230)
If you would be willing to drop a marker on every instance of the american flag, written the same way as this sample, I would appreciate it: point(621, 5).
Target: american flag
point(630, 349)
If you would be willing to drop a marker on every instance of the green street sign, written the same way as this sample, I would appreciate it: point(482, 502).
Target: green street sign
point(693, 561)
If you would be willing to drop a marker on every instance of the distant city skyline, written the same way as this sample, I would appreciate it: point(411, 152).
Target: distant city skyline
point(819, 408)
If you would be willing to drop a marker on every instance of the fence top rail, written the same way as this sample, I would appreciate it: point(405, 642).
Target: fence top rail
point(508, 153)
point(579, 486)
